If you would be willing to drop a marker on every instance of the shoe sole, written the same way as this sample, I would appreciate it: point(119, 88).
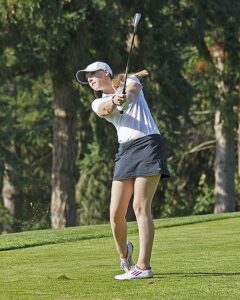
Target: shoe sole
point(132, 278)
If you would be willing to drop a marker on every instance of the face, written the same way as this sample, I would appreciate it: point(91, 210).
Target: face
point(97, 79)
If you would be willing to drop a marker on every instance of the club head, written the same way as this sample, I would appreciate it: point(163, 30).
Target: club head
point(136, 19)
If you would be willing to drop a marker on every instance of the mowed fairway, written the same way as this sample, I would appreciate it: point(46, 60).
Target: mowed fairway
point(193, 258)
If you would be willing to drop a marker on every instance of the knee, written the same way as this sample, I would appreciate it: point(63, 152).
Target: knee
point(141, 210)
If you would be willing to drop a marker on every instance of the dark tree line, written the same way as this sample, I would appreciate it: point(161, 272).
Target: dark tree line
point(56, 156)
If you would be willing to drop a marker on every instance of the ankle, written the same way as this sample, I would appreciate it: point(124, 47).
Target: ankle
point(143, 267)
point(124, 256)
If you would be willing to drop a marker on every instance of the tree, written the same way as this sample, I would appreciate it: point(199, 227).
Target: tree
point(25, 150)
point(221, 37)
point(43, 35)
point(57, 31)
point(225, 157)
point(44, 43)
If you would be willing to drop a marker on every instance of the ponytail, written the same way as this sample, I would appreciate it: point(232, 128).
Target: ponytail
point(118, 80)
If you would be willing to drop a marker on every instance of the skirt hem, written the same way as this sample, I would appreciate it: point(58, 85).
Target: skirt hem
point(163, 175)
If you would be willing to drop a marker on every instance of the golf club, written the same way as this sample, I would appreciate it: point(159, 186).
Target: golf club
point(136, 20)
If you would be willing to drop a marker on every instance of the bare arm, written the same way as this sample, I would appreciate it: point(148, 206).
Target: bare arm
point(108, 107)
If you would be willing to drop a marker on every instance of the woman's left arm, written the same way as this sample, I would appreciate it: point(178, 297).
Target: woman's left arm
point(132, 90)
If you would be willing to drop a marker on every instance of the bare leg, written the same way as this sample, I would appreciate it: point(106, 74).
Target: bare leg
point(144, 190)
point(121, 195)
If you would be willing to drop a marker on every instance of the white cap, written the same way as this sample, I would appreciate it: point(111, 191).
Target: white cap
point(98, 65)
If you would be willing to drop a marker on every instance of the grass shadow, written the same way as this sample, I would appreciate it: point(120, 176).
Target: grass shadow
point(195, 274)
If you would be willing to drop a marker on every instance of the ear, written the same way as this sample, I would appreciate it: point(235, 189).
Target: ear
point(107, 73)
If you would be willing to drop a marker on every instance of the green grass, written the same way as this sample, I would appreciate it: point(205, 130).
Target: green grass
point(194, 257)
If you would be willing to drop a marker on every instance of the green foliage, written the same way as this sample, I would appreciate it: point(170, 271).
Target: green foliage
point(5, 219)
point(26, 122)
point(43, 43)
point(205, 200)
point(93, 189)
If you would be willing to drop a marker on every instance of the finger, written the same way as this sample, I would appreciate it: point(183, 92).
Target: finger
point(122, 98)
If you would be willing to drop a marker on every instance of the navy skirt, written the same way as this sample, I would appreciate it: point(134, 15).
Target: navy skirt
point(141, 157)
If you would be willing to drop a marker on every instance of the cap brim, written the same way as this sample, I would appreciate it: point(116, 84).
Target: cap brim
point(81, 76)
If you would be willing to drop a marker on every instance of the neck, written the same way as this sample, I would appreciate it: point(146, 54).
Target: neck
point(108, 90)
point(107, 86)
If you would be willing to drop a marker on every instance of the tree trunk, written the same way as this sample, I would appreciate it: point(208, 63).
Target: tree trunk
point(224, 190)
point(11, 201)
point(63, 207)
point(224, 169)
point(238, 155)
point(238, 144)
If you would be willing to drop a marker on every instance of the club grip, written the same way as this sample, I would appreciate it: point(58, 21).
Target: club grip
point(123, 108)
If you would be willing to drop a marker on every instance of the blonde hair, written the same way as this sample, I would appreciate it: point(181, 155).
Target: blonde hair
point(118, 80)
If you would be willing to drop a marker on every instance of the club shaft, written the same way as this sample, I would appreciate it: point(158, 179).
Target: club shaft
point(128, 61)
point(135, 23)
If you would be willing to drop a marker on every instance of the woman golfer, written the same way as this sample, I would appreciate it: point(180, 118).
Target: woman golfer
point(139, 163)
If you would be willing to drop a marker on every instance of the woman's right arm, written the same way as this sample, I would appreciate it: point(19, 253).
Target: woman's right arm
point(106, 108)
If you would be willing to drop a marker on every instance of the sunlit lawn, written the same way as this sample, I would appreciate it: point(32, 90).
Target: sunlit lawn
point(190, 261)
